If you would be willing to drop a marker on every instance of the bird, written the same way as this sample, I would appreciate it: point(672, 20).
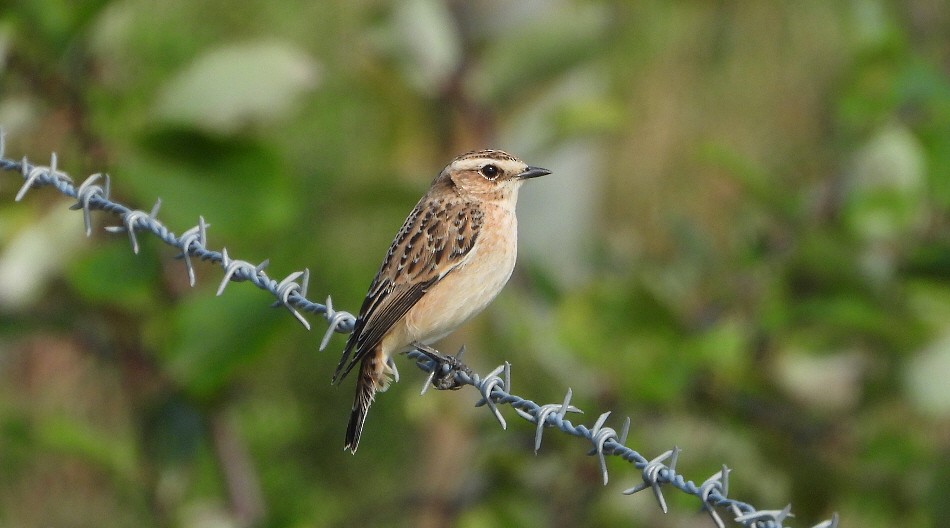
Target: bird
point(451, 257)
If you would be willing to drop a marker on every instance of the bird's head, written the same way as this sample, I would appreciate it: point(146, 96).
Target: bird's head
point(488, 174)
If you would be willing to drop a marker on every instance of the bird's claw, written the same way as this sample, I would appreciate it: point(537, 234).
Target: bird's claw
point(444, 367)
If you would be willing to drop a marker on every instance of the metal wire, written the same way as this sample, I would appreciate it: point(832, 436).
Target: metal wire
point(445, 372)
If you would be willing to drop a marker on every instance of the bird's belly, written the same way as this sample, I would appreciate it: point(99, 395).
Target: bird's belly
point(465, 291)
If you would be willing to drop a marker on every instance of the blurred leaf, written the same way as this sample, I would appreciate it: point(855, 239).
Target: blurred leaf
point(429, 41)
point(239, 186)
point(16, 441)
point(115, 276)
point(823, 261)
point(829, 382)
point(56, 23)
point(723, 348)
point(172, 431)
point(887, 448)
point(868, 99)
point(758, 184)
point(887, 185)
point(37, 254)
point(210, 339)
point(5, 39)
point(848, 318)
point(588, 116)
point(262, 80)
point(925, 377)
point(522, 60)
point(929, 299)
point(75, 437)
point(632, 331)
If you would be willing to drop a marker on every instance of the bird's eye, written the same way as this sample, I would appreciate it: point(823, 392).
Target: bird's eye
point(490, 171)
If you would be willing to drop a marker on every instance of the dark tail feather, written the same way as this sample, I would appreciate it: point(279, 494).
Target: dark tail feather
point(365, 391)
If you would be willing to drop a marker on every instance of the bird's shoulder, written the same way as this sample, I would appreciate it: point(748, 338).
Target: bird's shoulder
point(436, 236)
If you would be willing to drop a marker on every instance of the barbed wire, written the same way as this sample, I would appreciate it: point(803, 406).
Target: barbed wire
point(444, 372)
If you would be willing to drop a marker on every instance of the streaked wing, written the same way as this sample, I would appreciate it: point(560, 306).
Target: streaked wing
point(434, 240)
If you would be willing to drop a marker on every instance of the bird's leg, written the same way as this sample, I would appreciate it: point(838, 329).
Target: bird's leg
point(444, 367)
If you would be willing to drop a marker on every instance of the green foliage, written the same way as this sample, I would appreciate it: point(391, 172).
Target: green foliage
point(743, 246)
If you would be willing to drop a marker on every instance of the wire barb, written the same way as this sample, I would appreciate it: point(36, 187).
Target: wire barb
point(337, 322)
point(132, 219)
point(655, 473)
point(239, 270)
point(718, 484)
point(599, 435)
point(194, 239)
point(84, 195)
point(491, 383)
point(774, 517)
point(552, 409)
point(37, 176)
point(830, 523)
point(288, 287)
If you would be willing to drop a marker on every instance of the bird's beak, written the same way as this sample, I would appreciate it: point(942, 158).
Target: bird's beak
point(533, 172)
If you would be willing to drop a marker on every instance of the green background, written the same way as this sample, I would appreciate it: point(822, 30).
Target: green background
point(744, 247)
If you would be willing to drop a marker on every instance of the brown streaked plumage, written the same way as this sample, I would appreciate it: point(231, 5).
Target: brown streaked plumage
point(451, 257)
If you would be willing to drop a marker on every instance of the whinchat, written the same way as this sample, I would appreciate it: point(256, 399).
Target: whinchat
point(452, 256)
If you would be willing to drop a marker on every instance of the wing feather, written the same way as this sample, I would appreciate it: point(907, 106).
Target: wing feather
point(435, 239)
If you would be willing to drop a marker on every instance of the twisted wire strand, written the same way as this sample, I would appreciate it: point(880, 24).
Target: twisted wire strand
point(444, 372)
point(91, 195)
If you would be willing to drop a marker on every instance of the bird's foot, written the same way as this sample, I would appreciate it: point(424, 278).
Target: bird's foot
point(443, 367)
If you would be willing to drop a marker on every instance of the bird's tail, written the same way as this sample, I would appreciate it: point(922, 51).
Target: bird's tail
point(366, 386)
